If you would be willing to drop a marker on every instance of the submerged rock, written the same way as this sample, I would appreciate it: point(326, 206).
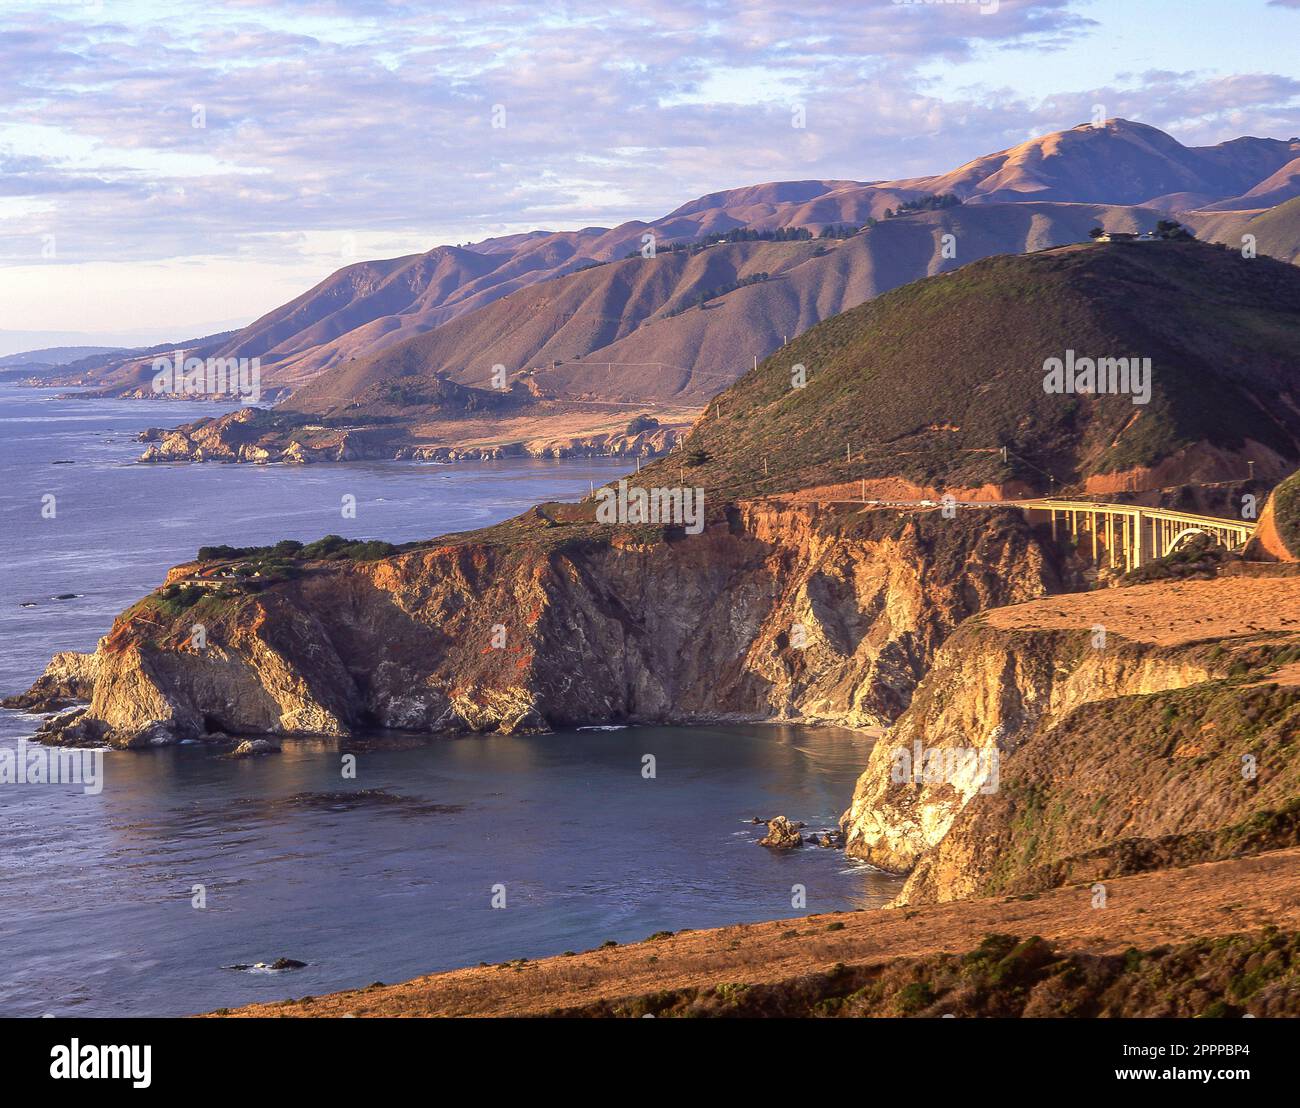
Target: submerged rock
point(268, 967)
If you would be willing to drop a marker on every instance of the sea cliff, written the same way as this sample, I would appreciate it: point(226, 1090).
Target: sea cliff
point(1130, 729)
point(773, 612)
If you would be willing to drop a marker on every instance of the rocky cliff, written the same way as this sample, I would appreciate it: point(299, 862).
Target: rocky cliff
point(1082, 737)
point(773, 611)
point(260, 437)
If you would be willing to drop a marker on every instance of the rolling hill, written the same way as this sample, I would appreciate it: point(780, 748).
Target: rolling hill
point(584, 322)
point(928, 383)
point(372, 306)
point(618, 332)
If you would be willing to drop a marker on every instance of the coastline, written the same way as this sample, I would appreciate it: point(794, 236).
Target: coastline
point(792, 966)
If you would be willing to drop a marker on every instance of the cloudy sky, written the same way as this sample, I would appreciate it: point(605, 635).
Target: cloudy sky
point(174, 163)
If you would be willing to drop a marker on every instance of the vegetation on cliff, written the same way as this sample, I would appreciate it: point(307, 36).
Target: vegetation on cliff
point(331, 548)
point(1135, 729)
point(1286, 512)
point(930, 381)
point(1007, 976)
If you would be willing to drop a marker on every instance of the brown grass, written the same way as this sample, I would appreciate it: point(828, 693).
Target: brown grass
point(1146, 910)
point(1167, 613)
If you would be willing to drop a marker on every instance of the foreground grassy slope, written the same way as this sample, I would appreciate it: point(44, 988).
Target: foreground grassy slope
point(929, 381)
point(1198, 941)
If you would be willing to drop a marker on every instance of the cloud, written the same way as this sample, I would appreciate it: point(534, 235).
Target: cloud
point(268, 130)
point(368, 114)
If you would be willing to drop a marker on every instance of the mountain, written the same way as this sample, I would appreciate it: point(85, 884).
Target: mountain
point(626, 331)
point(1133, 170)
point(1118, 162)
point(370, 306)
point(56, 355)
point(1275, 189)
point(584, 322)
point(926, 384)
point(1276, 231)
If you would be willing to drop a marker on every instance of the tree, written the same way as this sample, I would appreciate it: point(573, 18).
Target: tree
point(1096, 233)
point(1173, 230)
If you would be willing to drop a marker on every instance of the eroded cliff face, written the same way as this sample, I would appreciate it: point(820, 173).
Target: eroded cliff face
point(776, 612)
point(1091, 755)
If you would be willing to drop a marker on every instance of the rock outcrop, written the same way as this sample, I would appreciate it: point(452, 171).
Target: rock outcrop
point(772, 612)
point(261, 437)
point(250, 748)
point(68, 678)
point(1033, 754)
point(782, 834)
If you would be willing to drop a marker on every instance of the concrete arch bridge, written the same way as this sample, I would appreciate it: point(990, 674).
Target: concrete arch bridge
point(1127, 536)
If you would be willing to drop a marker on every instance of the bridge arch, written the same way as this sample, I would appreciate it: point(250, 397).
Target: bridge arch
point(1184, 535)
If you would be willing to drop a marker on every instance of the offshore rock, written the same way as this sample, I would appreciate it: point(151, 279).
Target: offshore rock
point(782, 834)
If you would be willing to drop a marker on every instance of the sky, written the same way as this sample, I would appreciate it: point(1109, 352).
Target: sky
point(181, 164)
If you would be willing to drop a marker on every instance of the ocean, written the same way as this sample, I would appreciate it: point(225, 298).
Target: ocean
point(142, 899)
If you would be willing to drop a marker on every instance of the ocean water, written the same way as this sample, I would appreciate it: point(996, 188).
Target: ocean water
point(381, 877)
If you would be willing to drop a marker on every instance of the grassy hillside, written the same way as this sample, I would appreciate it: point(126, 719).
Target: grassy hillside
point(1286, 511)
point(1276, 231)
point(630, 331)
point(929, 381)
